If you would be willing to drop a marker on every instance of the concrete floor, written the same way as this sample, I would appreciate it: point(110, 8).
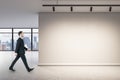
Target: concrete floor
point(54, 72)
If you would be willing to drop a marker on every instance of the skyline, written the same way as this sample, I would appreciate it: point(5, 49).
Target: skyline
point(7, 44)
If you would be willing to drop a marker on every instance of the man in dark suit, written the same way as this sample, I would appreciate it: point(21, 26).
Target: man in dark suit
point(20, 53)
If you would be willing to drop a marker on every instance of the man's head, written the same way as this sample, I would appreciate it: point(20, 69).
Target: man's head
point(21, 34)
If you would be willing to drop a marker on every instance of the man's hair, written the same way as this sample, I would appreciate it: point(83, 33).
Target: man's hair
point(19, 32)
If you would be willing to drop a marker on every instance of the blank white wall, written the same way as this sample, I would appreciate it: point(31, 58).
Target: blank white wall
point(79, 38)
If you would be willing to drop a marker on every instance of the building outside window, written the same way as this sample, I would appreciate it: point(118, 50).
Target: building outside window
point(8, 39)
point(5, 39)
point(35, 39)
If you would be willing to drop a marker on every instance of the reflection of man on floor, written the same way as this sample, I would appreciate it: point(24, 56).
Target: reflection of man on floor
point(20, 53)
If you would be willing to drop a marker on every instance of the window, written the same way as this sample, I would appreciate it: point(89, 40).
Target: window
point(27, 37)
point(35, 39)
point(5, 39)
point(8, 38)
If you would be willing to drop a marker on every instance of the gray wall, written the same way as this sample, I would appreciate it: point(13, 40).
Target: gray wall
point(18, 20)
point(79, 38)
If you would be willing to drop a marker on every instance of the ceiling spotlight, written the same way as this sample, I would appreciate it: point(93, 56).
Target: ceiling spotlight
point(91, 8)
point(53, 8)
point(110, 9)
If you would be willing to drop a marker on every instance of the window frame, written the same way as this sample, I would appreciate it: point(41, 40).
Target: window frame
point(12, 36)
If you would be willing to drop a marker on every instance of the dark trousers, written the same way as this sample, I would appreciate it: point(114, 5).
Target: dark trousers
point(22, 56)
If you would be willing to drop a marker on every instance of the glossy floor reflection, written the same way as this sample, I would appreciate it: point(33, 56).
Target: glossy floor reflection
point(54, 72)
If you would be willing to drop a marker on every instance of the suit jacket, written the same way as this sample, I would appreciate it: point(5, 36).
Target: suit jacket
point(20, 49)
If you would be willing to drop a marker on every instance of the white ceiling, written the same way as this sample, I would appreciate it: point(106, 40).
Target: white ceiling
point(36, 5)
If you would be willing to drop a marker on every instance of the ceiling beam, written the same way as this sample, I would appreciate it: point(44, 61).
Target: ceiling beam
point(48, 5)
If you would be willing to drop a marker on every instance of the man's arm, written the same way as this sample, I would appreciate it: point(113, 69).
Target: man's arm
point(17, 46)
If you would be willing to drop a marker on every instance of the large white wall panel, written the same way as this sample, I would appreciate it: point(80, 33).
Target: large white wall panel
point(79, 38)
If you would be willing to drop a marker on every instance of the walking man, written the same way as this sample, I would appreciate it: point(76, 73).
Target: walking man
point(20, 52)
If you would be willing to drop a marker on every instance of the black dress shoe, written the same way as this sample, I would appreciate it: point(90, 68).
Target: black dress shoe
point(11, 69)
point(30, 69)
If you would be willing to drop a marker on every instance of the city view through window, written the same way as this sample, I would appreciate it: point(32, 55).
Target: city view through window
point(8, 39)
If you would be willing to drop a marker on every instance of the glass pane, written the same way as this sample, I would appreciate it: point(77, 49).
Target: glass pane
point(35, 30)
point(35, 41)
point(5, 30)
point(24, 30)
point(27, 40)
point(5, 41)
